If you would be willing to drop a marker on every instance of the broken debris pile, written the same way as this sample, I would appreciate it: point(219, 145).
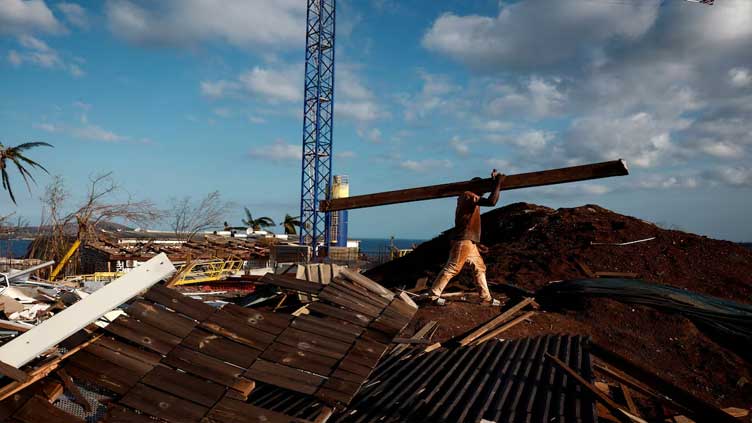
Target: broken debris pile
point(530, 245)
point(178, 359)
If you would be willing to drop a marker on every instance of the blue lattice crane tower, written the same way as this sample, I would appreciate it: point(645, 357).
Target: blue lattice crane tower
point(318, 119)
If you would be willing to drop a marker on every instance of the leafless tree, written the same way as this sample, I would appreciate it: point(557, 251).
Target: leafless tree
point(104, 202)
point(187, 217)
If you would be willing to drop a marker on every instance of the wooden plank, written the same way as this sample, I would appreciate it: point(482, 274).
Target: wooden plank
point(16, 326)
point(99, 379)
point(170, 298)
point(236, 329)
point(698, 409)
point(419, 335)
point(38, 410)
point(299, 359)
point(503, 317)
point(10, 405)
point(630, 401)
point(502, 328)
point(366, 283)
point(50, 389)
point(118, 414)
point(324, 328)
point(73, 389)
point(522, 180)
point(316, 344)
point(208, 367)
point(220, 347)
point(355, 318)
point(333, 397)
point(13, 372)
point(234, 411)
point(359, 292)
point(613, 407)
point(145, 356)
point(161, 318)
point(336, 297)
point(292, 283)
point(101, 372)
point(162, 405)
point(285, 377)
point(342, 385)
point(142, 334)
point(43, 370)
point(273, 323)
point(348, 364)
point(52, 331)
point(348, 376)
point(184, 385)
point(333, 324)
point(135, 365)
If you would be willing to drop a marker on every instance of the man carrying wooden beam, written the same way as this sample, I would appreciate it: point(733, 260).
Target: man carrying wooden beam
point(465, 240)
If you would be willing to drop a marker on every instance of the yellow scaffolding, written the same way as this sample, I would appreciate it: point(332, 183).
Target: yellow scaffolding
point(209, 271)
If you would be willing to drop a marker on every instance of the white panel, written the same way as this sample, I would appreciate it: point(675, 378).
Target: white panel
point(52, 331)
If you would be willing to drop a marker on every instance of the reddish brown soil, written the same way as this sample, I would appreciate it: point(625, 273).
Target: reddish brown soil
point(531, 245)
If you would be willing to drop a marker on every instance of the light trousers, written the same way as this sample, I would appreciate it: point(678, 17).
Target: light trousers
point(463, 252)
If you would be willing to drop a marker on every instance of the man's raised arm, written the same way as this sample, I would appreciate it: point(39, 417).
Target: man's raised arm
point(493, 198)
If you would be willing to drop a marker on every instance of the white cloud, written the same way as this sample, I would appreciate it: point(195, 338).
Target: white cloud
point(74, 14)
point(595, 189)
point(278, 151)
point(538, 97)
point(436, 96)
point(39, 53)
point(722, 149)
point(218, 89)
point(373, 135)
point(530, 142)
point(738, 176)
point(242, 23)
point(27, 16)
point(48, 127)
point(459, 146)
point(740, 77)
point(271, 84)
point(494, 125)
point(356, 102)
point(425, 165)
point(537, 32)
point(641, 138)
point(360, 111)
point(656, 181)
point(96, 133)
point(347, 154)
point(280, 84)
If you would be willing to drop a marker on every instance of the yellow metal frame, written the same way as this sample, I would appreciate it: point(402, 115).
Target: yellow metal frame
point(65, 259)
point(209, 271)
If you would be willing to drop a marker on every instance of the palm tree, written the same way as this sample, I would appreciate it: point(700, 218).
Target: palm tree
point(290, 223)
point(15, 156)
point(257, 224)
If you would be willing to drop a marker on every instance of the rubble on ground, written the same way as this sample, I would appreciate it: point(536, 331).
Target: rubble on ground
point(529, 246)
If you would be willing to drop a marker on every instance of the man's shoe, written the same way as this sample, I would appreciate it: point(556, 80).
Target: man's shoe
point(491, 302)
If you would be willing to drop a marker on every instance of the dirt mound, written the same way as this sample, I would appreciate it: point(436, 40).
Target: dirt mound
point(530, 245)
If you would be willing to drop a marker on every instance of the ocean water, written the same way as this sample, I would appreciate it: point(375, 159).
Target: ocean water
point(14, 248)
point(375, 246)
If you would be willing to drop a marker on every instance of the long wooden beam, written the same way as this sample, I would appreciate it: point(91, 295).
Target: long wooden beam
point(522, 180)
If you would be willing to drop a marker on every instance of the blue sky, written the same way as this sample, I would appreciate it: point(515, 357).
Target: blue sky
point(183, 97)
